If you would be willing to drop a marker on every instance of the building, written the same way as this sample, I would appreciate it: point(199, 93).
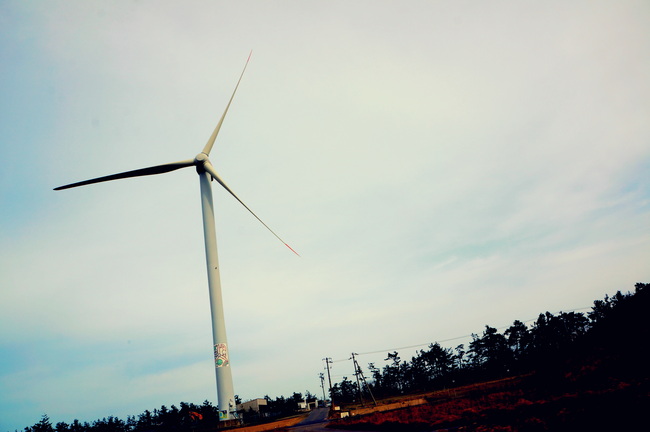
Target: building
point(255, 405)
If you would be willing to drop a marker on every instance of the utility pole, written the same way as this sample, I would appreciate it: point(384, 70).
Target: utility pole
point(358, 372)
point(322, 385)
point(328, 361)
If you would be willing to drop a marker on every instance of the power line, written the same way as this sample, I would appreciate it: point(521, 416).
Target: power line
point(450, 339)
point(413, 346)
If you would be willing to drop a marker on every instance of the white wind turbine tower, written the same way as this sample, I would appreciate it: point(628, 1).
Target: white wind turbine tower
point(225, 391)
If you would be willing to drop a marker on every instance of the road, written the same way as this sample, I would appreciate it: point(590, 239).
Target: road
point(314, 423)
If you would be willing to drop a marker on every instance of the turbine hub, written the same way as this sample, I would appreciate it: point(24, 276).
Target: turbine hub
point(199, 161)
point(200, 158)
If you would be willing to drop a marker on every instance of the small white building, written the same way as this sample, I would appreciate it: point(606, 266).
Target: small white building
point(254, 404)
point(307, 406)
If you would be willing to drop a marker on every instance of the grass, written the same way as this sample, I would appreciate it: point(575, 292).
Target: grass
point(582, 400)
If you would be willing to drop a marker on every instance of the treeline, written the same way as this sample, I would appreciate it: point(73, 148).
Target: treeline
point(163, 419)
point(613, 325)
point(174, 418)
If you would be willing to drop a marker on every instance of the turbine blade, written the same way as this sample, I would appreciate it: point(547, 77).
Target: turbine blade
point(208, 146)
point(158, 169)
point(210, 169)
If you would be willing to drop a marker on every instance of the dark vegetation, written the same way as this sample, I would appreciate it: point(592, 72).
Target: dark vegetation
point(188, 417)
point(573, 372)
point(613, 327)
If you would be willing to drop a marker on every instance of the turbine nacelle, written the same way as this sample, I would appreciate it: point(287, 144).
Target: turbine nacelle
point(199, 162)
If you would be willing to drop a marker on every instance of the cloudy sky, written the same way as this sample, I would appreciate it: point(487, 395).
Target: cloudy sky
point(438, 165)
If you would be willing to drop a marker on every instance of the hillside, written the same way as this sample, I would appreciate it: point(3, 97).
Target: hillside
point(586, 400)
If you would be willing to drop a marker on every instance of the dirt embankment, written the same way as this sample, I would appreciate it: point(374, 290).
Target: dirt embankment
point(516, 405)
point(280, 424)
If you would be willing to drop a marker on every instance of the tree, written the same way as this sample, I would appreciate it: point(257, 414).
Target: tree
point(490, 352)
point(519, 339)
point(344, 392)
point(110, 424)
point(417, 376)
point(552, 333)
point(621, 323)
point(460, 356)
point(145, 419)
point(375, 373)
point(62, 427)
point(209, 412)
point(296, 398)
point(44, 425)
point(391, 374)
point(439, 361)
point(600, 310)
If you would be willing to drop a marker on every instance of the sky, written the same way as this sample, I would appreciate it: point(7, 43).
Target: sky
point(439, 166)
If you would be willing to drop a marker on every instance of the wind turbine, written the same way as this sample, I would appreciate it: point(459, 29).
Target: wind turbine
point(207, 173)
